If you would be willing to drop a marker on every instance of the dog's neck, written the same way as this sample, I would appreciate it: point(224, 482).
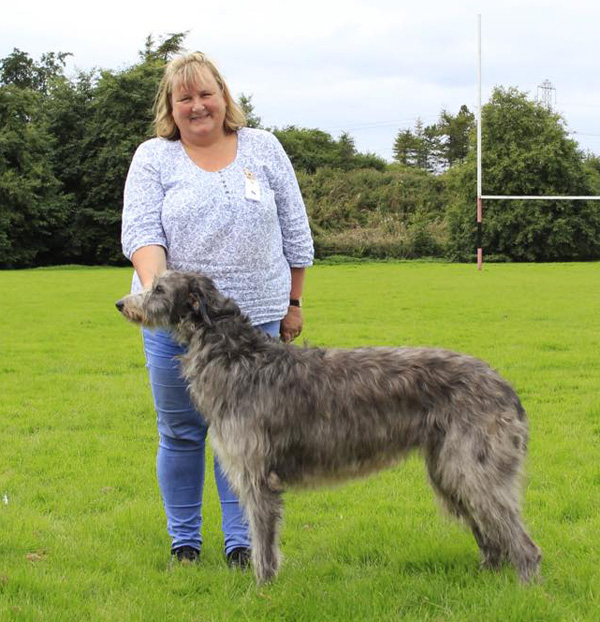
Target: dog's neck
point(229, 338)
point(185, 332)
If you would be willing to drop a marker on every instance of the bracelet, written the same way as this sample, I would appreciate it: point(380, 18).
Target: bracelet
point(295, 302)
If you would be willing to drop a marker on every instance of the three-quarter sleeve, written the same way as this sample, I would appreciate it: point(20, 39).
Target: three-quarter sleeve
point(297, 239)
point(142, 202)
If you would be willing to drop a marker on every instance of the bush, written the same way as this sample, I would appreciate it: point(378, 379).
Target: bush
point(397, 213)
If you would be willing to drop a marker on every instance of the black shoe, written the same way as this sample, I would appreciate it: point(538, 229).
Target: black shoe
point(185, 554)
point(239, 558)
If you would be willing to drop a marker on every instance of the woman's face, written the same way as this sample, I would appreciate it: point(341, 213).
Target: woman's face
point(199, 109)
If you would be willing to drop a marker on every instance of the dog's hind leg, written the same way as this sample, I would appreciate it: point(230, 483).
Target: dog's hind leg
point(264, 508)
point(492, 490)
point(491, 554)
point(499, 522)
point(484, 493)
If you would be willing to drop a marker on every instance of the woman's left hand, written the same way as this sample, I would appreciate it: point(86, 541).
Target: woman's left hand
point(291, 324)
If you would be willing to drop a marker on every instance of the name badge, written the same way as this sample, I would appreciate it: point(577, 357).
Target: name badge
point(252, 186)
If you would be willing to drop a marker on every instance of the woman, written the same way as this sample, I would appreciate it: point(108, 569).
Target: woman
point(209, 194)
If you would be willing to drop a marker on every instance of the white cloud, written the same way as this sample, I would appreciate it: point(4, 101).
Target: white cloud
point(369, 66)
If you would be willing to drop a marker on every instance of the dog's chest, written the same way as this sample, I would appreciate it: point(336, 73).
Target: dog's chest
point(237, 446)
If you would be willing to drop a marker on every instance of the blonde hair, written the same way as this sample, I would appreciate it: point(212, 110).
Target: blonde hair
point(187, 70)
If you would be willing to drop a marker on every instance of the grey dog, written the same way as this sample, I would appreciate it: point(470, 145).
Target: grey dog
point(281, 416)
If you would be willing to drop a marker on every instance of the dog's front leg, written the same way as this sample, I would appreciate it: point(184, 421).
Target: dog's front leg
point(264, 507)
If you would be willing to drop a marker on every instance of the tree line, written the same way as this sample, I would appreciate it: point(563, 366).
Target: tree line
point(66, 144)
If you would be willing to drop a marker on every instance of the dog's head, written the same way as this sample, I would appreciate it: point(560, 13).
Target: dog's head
point(177, 298)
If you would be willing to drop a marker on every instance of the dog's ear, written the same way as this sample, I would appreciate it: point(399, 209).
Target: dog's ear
point(198, 305)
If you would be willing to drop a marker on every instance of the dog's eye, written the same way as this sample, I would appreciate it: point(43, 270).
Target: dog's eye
point(158, 289)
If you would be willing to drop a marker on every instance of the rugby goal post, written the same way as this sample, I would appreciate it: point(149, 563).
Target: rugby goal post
point(494, 197)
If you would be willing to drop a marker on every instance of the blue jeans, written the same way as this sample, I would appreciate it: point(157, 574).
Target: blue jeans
point(180, 458)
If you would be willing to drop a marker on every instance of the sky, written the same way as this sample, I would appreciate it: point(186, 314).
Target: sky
point(368, 67)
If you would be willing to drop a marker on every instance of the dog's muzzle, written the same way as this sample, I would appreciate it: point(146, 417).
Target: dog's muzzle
point(131, 308)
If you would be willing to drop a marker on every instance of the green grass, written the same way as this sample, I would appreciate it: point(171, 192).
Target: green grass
point(82, 533)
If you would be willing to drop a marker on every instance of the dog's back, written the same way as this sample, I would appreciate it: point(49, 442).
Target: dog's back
point(355, 411)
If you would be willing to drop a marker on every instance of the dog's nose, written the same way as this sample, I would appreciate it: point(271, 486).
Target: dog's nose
point(119, 304)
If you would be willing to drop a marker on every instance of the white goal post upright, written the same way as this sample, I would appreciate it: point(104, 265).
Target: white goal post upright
point(480, 195)
point(479, 211)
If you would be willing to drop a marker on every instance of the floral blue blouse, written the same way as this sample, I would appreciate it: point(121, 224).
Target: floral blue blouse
point(245, 226)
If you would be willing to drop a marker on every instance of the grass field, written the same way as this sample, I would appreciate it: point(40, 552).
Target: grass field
point(82, 533)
